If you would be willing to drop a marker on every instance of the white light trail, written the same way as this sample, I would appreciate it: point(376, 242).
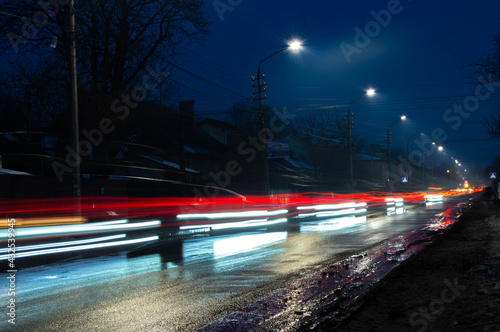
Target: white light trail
point(434, 198)
point(228, 215)
point(332, 206)
point(240, 224)
point(81, 247)
point(81, 229)
point(64, 244)
point(332, 213)
point(334, 224)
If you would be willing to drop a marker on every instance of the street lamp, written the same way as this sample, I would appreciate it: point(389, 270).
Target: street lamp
point(402, 117)
point(294, 46)
point(408, 156)
point(439, 148)
point(369, 93)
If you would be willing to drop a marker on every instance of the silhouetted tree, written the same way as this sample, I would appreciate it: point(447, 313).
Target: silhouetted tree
point(124, 52)
point(326, 133)
point(488, 66)
point(322, 127)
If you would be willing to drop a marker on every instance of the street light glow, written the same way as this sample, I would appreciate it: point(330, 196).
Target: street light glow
point(295, 45)
point(370, 92)
point(403, 117)
point(440, 148)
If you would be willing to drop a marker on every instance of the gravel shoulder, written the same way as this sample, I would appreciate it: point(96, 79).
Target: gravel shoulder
point(451, 285)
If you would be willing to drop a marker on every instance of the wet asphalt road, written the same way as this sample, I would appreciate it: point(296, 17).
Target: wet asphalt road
point(190, 282)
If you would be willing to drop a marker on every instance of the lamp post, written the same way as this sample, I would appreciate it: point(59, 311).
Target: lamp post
point(402, 117)
point(369, 93)
point(439, 148)
point(408, 158)
point(74, 106)
point(294, 46)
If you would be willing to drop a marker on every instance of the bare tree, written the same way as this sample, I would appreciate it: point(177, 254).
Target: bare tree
point(123, 47)
point(492, 122)
point(488, 66)
point(322, 128)
point(326, 133)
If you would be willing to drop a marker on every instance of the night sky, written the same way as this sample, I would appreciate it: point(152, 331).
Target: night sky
point(414, 58)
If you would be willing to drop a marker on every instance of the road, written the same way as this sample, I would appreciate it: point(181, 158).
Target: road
point(188, 283)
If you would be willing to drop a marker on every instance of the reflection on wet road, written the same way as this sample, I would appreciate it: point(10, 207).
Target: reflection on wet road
point(185, 284)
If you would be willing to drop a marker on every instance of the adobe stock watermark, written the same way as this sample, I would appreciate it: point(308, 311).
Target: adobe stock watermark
point(249, 149)
point(31, 28)
point(437, 306)
point(223, 6)
point(120, 106)
point(12, 270)
point(454, 117)
point(372, 29)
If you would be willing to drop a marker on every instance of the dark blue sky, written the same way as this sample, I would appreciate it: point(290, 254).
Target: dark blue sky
point(414, 63)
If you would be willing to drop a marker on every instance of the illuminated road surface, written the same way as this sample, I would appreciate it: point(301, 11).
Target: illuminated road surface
point(192, 281)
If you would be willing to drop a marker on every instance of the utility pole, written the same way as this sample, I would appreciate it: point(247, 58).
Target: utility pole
point(388, 138)
point(261, 87)
point(402, 117)
point(432, 172)
point(423, 169)
point(408, 163)
point(436, 169)
point(74, 106)
point(369, 92)
point(349, 145)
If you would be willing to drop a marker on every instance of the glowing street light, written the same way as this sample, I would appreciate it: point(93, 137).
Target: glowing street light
point(294, 45)
point(370, 93)
point(402, 117)
point(434, 165)
point(408, 157)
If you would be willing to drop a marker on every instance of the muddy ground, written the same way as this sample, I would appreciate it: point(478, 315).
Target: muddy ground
point(452, 285)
